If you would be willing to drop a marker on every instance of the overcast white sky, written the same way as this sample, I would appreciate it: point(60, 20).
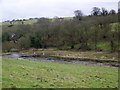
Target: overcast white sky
point(18, 9)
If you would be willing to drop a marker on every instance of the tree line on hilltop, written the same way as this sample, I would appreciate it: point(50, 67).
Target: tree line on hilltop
point(98, 31)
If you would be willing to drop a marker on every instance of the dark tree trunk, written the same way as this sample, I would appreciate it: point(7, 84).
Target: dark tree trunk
point(72, 46)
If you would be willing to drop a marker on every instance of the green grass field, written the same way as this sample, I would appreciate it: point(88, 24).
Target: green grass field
point(18, 22)
point(0, 72)
point(31, 74)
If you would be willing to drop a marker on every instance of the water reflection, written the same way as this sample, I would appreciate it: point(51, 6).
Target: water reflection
point(14, 55)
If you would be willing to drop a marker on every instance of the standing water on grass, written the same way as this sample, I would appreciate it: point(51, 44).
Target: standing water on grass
point(14, 55)
point(53, 59)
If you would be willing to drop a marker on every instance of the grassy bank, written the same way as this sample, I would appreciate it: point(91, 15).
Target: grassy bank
point(25, 73)
point(0, 72)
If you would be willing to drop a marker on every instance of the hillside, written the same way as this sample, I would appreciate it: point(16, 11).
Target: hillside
point(86, 33)
point(20, 22)
point(29, 21)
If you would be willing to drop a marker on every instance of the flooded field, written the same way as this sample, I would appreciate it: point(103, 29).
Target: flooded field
point(45, 58)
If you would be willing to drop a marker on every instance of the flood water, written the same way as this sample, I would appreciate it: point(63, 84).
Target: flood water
point(53, 59)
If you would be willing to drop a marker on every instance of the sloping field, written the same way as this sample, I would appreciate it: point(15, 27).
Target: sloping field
point(33, 74)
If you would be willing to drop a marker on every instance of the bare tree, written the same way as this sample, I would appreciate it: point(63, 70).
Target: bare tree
point(104, 12)
point(96, 11)
point(112, 12)
point(78, 14)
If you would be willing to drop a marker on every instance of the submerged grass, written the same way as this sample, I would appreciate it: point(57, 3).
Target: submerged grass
point(31, 74)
